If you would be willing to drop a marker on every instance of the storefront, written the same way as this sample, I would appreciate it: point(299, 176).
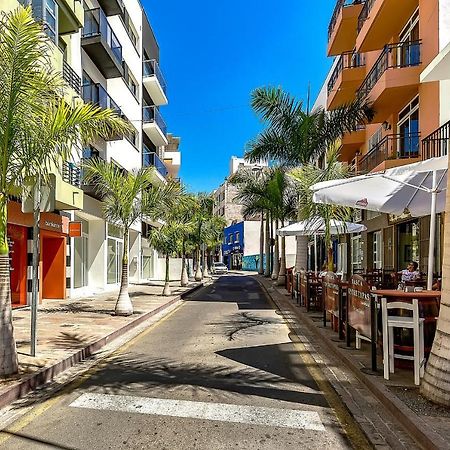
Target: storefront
point(54, 249)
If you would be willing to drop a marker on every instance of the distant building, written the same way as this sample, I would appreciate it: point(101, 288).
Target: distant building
point(225, 195)
point(240, 247)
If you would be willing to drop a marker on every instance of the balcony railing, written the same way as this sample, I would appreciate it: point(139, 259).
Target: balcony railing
point(96, 24)
point(151, 68)
point(364, 14)
point(71, 77)
point(96, 93)
point(393, 56)
point(337, 9)
point(348, 60)
point(437, 143)
point(71, 174)
point(151, 159)
point(393, 146)
point(151, 114)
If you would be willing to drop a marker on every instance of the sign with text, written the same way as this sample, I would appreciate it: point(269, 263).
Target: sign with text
point(330, 288)
point(75, 229)
point(359, 298)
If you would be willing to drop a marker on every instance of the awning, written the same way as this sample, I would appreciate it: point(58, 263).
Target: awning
point(317, 226)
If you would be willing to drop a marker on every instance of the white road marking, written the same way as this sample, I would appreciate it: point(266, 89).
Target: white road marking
point(286, 418)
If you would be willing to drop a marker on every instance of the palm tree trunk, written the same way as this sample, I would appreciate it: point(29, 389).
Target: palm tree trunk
point(184, 275)
point(436, 382)
point(261, 246)
point(167, 290)
point(205, 264)
point(276, 256)
point(267, 247)
point(8, 352)
point(124, 307)
point(198, 272)
point(282, 273)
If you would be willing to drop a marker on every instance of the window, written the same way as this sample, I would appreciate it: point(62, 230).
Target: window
point(236, 238)
point(357, 254)
point(230, 239)
point(342, 258)
point(377, 250)
point(133, 137)
point(357, 215)
point(375, 138)
point(50, 19)
point(130, 81)
point(408, 129)
point(372, 214)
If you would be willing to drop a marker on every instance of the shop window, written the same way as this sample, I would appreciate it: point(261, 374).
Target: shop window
point(357, 253)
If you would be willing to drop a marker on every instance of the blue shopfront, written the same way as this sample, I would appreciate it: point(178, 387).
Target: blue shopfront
point(233, 246)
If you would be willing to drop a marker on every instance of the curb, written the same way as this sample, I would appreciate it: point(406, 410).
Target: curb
point(413, 424)
point(47, 374)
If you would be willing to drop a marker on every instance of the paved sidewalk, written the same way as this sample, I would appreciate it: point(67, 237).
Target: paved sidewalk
point(73, 329)
point(385, 417)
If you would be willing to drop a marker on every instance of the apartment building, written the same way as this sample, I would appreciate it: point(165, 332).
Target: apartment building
point(381, 48)
point(108, 55)
point(225, 204)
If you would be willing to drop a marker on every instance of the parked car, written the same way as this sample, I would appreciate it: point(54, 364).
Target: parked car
point(219, 268)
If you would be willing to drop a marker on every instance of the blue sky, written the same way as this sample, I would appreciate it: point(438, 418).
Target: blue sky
point(214, 53)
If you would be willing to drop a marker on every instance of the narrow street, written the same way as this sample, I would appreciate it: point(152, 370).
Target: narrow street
point(220, 372)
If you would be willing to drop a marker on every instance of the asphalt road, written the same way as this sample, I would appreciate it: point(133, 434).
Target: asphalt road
point(220, 372)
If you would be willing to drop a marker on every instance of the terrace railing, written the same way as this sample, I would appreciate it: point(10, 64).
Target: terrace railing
point(392, 146)
point(399, 55)
point(150, 68)
point(437, 143)
point(348, 60)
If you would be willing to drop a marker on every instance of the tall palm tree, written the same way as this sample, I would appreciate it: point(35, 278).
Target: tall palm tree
point(310, 174)
point(295, 136)
point(203, 212)
point(37, 131)
point(126, 198)
point(213, 235)
point(435, 384)
point(252, 194)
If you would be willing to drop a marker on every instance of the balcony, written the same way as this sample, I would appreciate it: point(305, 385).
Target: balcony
point(437, 143)
point(71, 78)
point(151, 159)
point(64, 188)
point(345, 79)
point(96, 94)
point(70, 16)
point(342, 27)
point(392, 151)
point(154, 125)
point(71, 174)
point(379, 20)
point(112, 7)
point(393, 79)
point(154, 82)
point(101, 44)
point(351, 142)
point(90, 188)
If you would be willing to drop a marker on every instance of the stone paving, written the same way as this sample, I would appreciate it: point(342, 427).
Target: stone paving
point(67, 326)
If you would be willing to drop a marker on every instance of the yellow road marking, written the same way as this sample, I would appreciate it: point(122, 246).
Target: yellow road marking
point(37, 411)
point(351, 428)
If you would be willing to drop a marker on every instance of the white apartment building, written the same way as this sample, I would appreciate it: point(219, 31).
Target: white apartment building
point(108, 55)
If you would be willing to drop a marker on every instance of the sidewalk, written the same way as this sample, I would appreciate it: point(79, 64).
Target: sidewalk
point(73, 329)
point(391, 413)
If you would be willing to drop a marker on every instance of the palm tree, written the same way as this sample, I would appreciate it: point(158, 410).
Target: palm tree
point(37, 131)
point(203, 212)
point(295, 137)
point(282, 197)
point(166, 240)
point(213, 235)
point(128, 197)
point(310, 174)
point(252, 194)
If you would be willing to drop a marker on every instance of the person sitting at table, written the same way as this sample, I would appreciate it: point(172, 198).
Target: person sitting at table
point(410, 273)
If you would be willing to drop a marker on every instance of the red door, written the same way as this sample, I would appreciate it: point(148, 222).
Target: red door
point(17, 236)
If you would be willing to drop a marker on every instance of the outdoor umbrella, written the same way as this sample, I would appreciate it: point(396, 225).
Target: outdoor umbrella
point(417, 189)
point(316, 226)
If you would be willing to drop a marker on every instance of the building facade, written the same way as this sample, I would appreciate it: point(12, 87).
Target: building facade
point(240, 247)
point(381, 49)
point(108, 55)
point(225, 204)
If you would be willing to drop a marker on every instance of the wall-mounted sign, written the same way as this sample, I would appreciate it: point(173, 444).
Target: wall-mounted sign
point(75, 229)
point(359, 300)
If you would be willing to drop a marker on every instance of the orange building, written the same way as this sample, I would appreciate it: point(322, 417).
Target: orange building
point(382, 47)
